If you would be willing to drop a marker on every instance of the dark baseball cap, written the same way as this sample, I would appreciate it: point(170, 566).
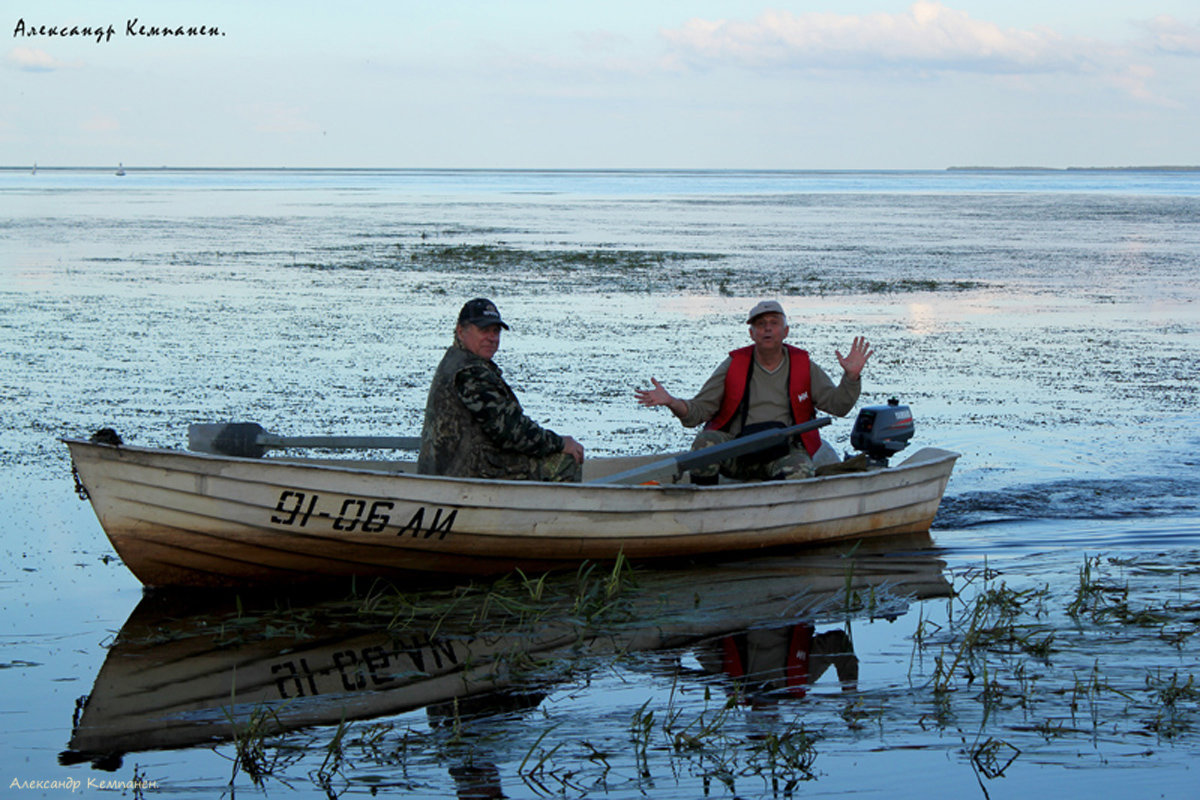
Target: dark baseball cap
point(481, 312)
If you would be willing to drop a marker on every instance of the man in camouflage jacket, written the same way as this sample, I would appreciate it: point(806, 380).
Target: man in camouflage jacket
point(474, 424)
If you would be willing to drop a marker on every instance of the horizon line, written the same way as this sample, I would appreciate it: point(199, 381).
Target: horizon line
point(963, 168)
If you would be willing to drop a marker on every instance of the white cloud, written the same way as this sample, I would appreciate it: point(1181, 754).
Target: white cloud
point(1169, 35)
point(30, 59)
point(927, 36)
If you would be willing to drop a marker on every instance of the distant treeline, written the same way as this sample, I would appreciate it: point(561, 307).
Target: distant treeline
point(1074, 169)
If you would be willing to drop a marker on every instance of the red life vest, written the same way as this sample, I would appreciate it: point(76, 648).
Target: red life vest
point(736, 382)
point(795, 667)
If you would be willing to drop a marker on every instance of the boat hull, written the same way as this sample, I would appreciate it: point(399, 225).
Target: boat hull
point(187, 519)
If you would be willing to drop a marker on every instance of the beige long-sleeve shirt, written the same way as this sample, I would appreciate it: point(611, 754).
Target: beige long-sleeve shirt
point(769, 395)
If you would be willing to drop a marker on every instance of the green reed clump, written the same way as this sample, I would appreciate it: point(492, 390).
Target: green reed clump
point(996, 620)
point(1095, 598)
point(1094, 691)
point(334, 758)
point(1171, 717)
point(542, 755)
point(252, 753)
point(704, 733)
point(853, 599)
point(594, 594)
point(598, 597)
point(1169, 693)
point(788, 755)
point(641, 726)
point(1101, 601)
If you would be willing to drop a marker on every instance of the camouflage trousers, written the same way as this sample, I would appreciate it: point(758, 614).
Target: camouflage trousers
point(796, 465)
point(554, 468)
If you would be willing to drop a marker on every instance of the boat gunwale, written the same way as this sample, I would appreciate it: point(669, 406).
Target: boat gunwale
point(931, 456)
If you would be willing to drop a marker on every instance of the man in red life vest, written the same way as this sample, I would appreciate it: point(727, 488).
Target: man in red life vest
point(768, 384)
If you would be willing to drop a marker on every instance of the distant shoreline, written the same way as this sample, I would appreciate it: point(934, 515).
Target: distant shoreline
point(618, 170)
point(1164, 168)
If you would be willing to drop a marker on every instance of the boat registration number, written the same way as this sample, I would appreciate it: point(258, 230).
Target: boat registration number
point(360, 514)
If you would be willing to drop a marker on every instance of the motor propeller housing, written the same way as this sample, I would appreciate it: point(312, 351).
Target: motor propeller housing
point(882, 431)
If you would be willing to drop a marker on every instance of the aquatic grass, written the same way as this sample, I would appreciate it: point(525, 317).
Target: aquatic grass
point(993, 757)
point(1171, 719)
point(1171, 692)
point(997, 630)
point(991, 623)
point(599, 600)
point(788, 756)
point(851, 600)
point(1094, 691)
point(988, 661)
point(699, 734)
point(372, 739)
point(1091, 595)
point(1026, 682)
point(542, 755)
point(332, 764)
point(641, 726)
point(140, 782)
point(1100, 600)
point(703, 738)
point(252, 753)
point(535, 587)
point(855, 713)
point(516, 601)
point(1050, 729)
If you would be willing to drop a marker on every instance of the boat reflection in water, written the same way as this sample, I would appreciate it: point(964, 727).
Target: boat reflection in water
point(188, 671)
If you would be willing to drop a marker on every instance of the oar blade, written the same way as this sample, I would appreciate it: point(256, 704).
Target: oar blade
point(240, 439)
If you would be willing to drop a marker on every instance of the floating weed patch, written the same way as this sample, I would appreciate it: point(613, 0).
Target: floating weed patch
point(498, 256)
point(606, 268)
point(1080, 662)
point(908, 285)
point(638, 270)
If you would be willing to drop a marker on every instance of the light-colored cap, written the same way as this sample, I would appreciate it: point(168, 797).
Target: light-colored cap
point(765, 307)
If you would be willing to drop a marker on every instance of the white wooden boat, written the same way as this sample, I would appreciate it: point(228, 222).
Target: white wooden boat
point(188, 670)
point(179, 518)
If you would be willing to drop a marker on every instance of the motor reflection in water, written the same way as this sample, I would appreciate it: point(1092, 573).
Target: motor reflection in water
point(188, 671)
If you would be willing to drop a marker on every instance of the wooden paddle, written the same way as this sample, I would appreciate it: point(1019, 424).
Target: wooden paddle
point(251, 440)
point(714, 454)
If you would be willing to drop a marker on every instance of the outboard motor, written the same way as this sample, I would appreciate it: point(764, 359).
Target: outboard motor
point(882, 431)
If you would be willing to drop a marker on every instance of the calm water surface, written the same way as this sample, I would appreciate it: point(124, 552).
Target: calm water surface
point(1043, 324)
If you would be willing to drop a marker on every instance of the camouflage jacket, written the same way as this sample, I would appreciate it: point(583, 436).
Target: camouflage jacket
point(475, 426)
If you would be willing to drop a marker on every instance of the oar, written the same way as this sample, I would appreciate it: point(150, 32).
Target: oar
point(251, 440)
point(716, 453)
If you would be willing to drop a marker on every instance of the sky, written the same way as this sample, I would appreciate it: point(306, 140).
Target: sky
point(607, 84)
